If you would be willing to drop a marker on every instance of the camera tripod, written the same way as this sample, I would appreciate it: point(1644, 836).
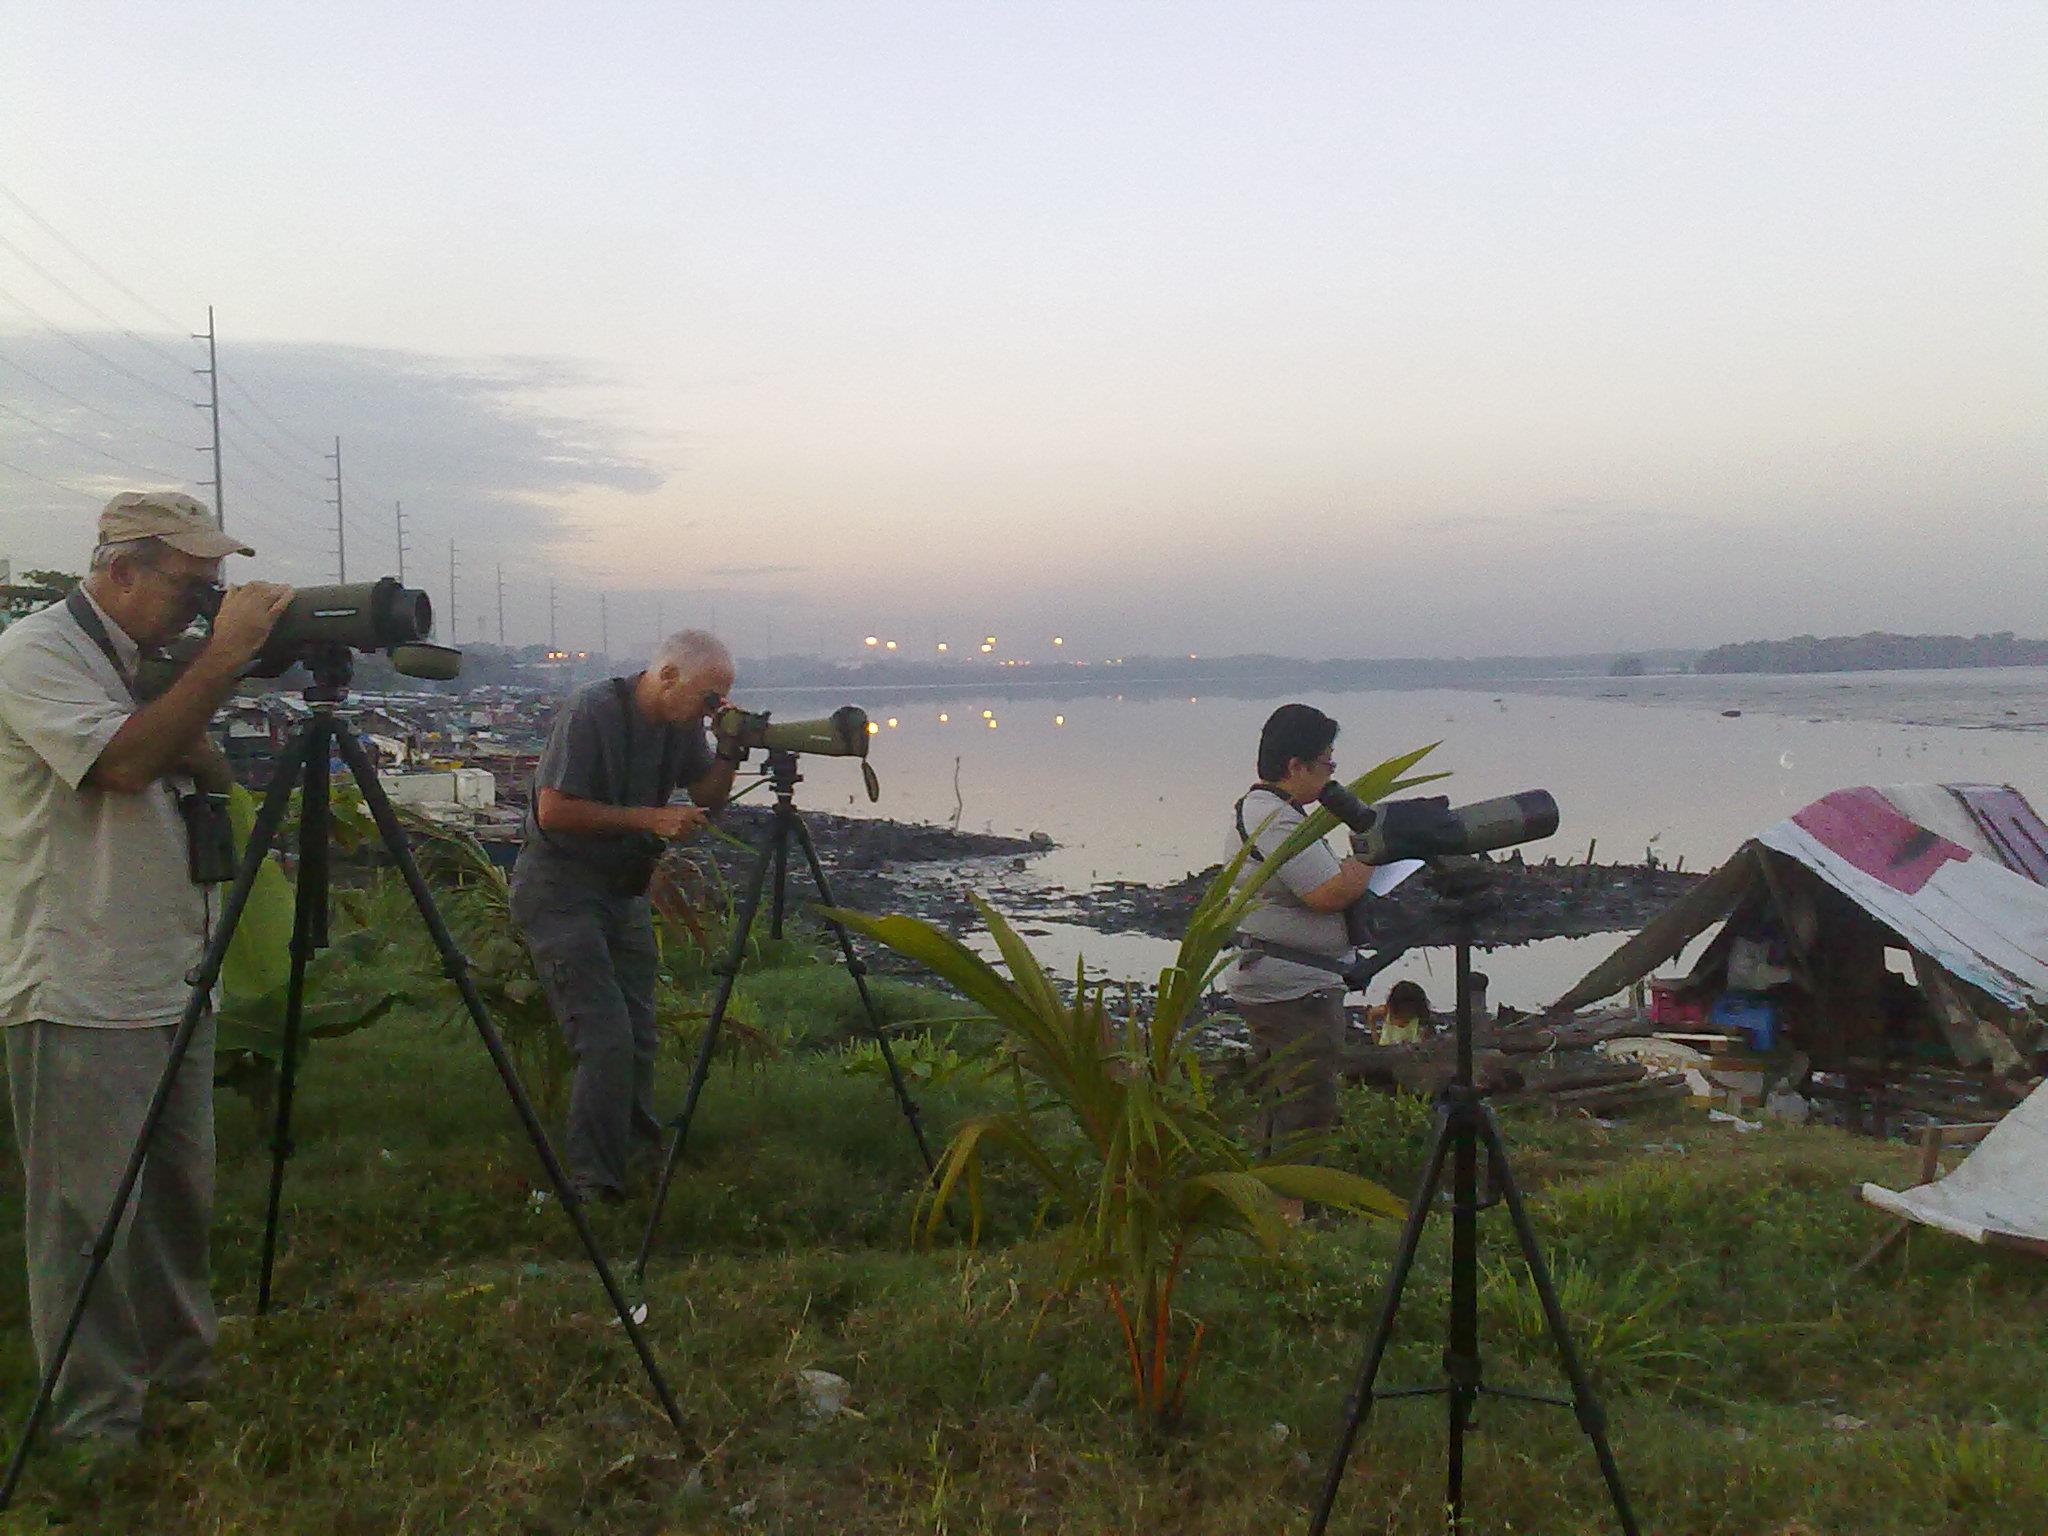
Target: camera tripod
point(1465, 1123)
point(786, 823)
point(304, 766)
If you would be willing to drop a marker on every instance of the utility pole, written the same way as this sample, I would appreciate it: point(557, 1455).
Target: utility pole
point(604, 630)
point(340, 529)
point(501, 603)
point(451, 591)
point(398, 507)
point(212, 372)
point(551, 615)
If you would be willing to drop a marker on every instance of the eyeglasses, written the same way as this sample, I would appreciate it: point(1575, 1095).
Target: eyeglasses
point(1326, 763)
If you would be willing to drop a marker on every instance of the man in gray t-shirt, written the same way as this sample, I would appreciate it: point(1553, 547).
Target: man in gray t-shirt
point(599, 820)
point(1294, 1012)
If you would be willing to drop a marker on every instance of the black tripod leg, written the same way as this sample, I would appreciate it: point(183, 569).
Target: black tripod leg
point(1461, 1349)
point(307, 936)
point(784, 815)
point(1592, 1417)
point(728, 978)
point(857, 969)
point(457, 967)
point(260, 838)
point(1359, 1404)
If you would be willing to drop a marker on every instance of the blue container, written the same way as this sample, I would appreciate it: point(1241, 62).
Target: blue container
point(1746, 1013)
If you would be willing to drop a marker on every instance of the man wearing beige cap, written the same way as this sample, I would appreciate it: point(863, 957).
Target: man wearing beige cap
point(99, 923)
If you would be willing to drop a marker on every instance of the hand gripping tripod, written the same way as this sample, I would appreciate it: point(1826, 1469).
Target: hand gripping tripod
point(787, 822)
point(1464, 1123)
point(304, 766)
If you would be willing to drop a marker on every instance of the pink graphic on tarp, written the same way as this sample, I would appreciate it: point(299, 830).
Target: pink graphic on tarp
point(1866, 830)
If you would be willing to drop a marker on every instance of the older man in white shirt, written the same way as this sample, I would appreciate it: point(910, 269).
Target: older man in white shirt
point(100, 921)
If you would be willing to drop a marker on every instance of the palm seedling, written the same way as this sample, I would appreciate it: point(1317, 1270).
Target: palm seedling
point(1137, 1165)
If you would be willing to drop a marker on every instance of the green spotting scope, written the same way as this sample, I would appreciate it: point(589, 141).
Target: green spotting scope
point(378, 615)
point(843, 733)
point(1431, 827)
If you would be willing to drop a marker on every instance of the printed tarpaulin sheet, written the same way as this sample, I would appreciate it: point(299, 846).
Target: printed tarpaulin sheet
point(1997, 1191)
point(1967, 912)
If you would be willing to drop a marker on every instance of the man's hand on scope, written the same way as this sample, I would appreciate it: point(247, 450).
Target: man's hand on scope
point(247, 616)
point(673, 821)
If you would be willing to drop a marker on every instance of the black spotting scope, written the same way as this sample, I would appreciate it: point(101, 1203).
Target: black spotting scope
point(380, 615)
point(1431, 827)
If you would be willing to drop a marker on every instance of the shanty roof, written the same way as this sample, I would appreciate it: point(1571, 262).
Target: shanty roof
point(1955, 870)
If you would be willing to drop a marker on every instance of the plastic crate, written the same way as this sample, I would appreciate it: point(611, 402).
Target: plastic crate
point(1668, 1010)
point(1756, 1017)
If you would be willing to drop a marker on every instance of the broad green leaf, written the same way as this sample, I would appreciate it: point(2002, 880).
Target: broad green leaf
point(259, 956)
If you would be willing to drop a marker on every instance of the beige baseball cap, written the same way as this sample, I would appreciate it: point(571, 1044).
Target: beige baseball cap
point(181, 521)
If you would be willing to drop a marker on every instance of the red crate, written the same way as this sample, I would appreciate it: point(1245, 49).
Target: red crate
point(1670, 1010)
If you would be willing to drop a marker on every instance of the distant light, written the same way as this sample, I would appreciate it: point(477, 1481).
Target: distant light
point(944, 717)
point(890, 646)
point(988, 639)
point(874, 729)
point(942, 645)
point(1191, 655)
point(1193, 700)
point(986, 649)
point(892, 722)
point(872, 640)
point(991, 725)
point(988, 714)
point(1059, 719)
point(1059, 640)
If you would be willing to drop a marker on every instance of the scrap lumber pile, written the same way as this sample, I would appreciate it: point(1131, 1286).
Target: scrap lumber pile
point(1534, 1060)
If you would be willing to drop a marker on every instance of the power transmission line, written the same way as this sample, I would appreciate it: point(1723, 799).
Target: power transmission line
point(86, 405)
point(92, 352)
point(267, 414)
point(29, 474)
point(58, 235)
point(283, 456)
point(72, 293)
point(398, 510)
point(451, 593)
point(147, 469)
point(501, 602)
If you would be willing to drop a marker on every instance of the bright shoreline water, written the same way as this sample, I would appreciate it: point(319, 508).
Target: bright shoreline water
point(1140, 788)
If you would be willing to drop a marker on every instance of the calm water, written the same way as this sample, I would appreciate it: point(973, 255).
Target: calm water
point(1141, 788)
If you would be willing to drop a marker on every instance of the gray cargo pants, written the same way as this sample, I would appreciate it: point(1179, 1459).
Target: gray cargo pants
point(79, 1095)
point(597, 959)
point(1295, 1050)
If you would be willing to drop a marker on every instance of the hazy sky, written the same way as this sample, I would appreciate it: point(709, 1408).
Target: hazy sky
point(1315, 328)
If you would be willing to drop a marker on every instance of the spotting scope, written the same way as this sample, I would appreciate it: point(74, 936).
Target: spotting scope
point(843, 733)
point(380, 615)
point(1431, 827)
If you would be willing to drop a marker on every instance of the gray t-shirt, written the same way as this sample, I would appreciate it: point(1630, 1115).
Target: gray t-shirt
point(99, 918)
point(1277, 913)
point(602, 748)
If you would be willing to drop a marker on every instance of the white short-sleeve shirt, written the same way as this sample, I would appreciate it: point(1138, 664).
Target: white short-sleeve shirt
point(1277, 913)
point(99, 918)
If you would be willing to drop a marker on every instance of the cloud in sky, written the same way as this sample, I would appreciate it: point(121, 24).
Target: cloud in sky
point(1429, 330)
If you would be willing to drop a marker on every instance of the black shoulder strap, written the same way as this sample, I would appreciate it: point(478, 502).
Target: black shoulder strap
point(628, 710)
point(1252, 848)
point(80, 607)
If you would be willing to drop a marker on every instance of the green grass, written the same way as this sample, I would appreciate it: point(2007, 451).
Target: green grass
point(442, 1361)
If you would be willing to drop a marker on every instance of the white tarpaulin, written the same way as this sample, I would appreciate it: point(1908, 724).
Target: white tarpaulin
point(1965, 911)
point(1999, 1191)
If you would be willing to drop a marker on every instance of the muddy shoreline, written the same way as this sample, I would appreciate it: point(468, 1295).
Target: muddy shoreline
point(879, 865)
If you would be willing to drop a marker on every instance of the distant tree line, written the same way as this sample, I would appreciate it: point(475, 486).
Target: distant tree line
point(1874, 652)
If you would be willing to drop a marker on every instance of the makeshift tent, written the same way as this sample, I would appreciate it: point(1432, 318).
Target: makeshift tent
point(1949, 873)
point(1998, 1196)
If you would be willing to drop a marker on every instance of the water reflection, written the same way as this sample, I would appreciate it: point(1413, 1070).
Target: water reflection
point(1140, 788)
